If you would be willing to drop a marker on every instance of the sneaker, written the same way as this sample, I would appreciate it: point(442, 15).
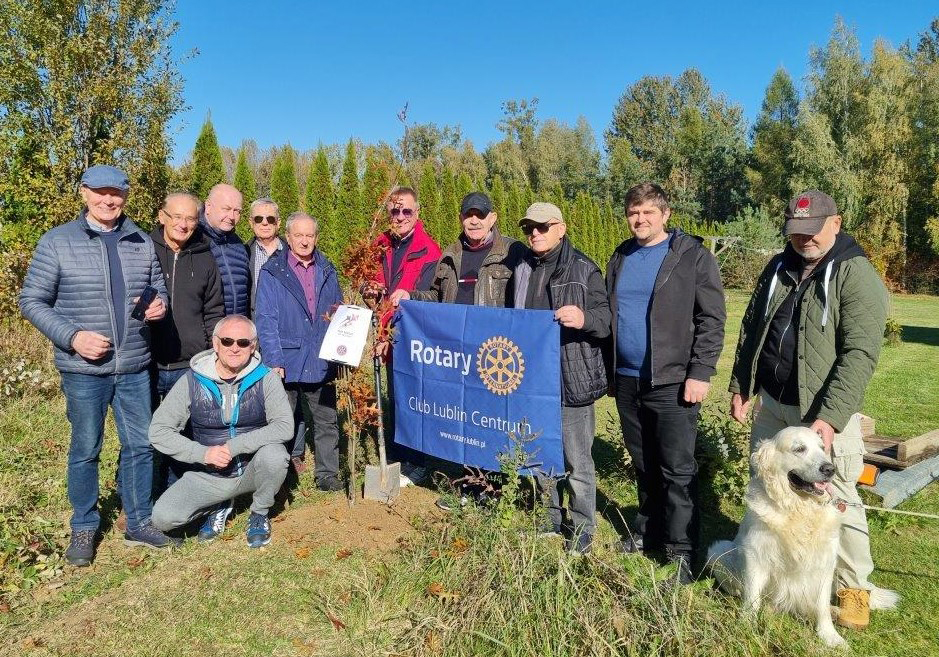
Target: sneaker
point(214, 524)
point(682, 561)
point(579, 545)
point(330, 485)
point(412, 475)
point(259, 530)
point(81, 548)
point(854, 609)
point(149, 536)
point(450, 503)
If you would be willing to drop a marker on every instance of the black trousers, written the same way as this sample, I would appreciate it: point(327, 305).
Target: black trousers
point(660, 429)
point(321, 402)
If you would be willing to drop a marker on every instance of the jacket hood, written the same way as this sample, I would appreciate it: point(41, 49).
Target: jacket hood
point(197, 242)
point(844, 248)
point(203, 363)
point(678, 241)
point(215, 235)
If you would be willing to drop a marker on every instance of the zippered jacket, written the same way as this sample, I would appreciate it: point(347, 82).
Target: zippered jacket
point(576, 281)
point(246, 414)
point(196, 303)
point(840, 319)
point(687, 316)
point(67, 289)
point(231, 256)
point(422, 252)
point(494, 273)
point(290, 337)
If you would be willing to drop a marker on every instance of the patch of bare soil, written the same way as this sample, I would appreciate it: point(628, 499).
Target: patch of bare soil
point(367, 525)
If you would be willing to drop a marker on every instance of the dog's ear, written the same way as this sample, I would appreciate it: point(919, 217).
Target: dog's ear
point(762, 457)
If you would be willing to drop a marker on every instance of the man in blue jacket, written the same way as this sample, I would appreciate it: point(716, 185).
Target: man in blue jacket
point(220, 216)
point(80, 290)
point(297, 289)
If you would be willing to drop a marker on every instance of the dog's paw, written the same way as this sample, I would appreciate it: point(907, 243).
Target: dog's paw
point(830, 637)
point(883, 598)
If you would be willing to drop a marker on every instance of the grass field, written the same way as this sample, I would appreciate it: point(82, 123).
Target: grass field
point(407, 580)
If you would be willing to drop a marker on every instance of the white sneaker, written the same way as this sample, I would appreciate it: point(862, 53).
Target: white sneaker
point(411, 474)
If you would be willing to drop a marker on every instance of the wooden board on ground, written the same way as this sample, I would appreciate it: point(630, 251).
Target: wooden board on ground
point(899, 454)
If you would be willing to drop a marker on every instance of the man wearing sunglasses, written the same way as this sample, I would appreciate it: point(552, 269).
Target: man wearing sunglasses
point(220, 216)
point(265, 223)
point(556, 276)
point(409, 256)
point(298, 288)
point(240, 419)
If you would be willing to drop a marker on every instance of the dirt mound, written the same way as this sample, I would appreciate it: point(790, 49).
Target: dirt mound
point(367, 525)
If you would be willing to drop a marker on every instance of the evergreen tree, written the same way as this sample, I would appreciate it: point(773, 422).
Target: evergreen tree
point(207, 167)
point(320, 204)
point(497, 194)
point(375, 189)
point(284, 187)
point(430, 203)
point(773, 133)
point(349, 199)
point(449, 201)
point(244, 178)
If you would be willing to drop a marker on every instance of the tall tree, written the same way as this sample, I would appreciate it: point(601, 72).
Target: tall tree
point(375, 187)
point(320, 201)
point(429, 197)
point(773, 133)
point(244, 177)
point(80, 84)
point(285, 189)
point(207, 167)
point(349, 198)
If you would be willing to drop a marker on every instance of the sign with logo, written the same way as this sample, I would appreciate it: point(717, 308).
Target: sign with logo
point(346, 336)
point(466, 377)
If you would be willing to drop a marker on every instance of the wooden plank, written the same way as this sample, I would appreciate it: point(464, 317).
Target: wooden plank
point(919, 448)
point(882, 451)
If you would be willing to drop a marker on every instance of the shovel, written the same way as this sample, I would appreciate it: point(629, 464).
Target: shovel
point(382, 481)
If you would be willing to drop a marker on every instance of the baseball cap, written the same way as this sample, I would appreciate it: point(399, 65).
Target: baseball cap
point(476, 201)
point(542, 213)
point(103, 175)
point(807, 212)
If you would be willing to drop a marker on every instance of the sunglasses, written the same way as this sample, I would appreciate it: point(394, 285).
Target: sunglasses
point(244, 343)
point(265, 220)
point(528, 229)
point(407, 213)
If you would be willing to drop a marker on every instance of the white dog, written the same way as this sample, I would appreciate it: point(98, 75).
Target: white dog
point(785, 549)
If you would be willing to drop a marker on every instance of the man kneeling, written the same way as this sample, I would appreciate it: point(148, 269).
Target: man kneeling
point(240, 420)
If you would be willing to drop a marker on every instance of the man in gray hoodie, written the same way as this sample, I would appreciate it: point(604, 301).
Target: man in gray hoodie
point(240, 420)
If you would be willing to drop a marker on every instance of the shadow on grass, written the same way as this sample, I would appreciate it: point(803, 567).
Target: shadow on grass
point(927, 335)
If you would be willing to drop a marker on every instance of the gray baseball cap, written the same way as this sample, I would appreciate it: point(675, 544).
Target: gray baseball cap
point(807, 212)
point(542, 213)
point(103, 175)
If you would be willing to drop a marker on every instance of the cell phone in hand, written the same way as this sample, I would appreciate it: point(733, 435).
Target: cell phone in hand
point(146, 298)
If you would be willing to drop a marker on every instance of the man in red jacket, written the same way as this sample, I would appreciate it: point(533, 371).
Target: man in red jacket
point(408, 260)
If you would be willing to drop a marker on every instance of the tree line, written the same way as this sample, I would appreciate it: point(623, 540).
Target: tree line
point(863, 128)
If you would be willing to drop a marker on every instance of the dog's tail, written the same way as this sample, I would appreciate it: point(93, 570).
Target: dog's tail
point(883, 598)
point(723, 562)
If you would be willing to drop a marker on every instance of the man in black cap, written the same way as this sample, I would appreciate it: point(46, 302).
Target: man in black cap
point(81, 289)
point(474, 270)
point(809, 342)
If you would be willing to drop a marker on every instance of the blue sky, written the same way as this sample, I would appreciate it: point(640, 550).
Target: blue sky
point(310, 72)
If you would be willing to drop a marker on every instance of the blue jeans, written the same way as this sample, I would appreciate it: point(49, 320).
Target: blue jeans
point(578, 426)
point(87, 399)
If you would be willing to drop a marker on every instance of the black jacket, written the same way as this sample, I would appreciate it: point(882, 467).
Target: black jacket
point(687, 316)
point(196, 302)
point(576, 281)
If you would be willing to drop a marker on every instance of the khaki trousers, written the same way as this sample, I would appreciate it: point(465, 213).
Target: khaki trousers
point(854, 564)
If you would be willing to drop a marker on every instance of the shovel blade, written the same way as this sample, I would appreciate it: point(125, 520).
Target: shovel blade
point(382, 486)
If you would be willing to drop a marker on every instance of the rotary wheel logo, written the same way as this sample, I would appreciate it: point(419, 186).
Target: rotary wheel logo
point(500, 365)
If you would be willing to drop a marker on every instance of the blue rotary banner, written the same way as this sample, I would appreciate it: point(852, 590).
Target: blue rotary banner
point(467, 376)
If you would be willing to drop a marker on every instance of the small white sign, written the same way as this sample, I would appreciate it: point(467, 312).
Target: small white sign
point(346, 336)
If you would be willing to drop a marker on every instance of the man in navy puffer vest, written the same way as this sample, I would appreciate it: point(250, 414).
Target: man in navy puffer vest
point(80, 291)
point(240, 420)
point(221, 214)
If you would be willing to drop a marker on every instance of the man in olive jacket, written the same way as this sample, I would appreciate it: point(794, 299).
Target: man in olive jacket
point(808, 344)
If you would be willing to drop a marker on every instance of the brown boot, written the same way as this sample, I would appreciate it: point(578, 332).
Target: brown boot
point(854, 609)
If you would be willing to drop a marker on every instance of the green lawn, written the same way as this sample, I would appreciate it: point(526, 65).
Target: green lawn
point(498, 591)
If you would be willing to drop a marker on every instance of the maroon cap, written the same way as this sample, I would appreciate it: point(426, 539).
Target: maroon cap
point(807, 212)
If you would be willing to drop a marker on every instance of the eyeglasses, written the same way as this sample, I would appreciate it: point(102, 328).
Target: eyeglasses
point(265, 220)
point(528, 229)
point(407, 213)
point(180, 218)
point(244, 343)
